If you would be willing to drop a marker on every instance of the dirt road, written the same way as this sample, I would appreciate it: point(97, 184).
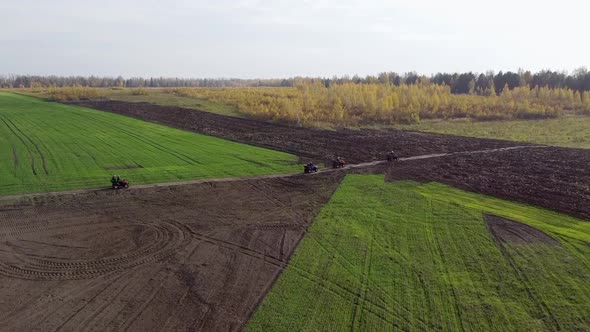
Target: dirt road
point(265, 177)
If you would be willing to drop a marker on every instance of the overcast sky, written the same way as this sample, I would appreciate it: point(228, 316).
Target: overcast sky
point(280, 38)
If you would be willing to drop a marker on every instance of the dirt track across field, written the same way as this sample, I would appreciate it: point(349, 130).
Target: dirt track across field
point(348, 167)
point(355, 146)
point(188, 257)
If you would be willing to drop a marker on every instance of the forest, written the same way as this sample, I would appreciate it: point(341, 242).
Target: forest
point(311, 103)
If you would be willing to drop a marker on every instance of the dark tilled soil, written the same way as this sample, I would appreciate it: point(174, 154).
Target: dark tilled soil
point(355, 146)
point(508, 231)
point(183, 258)
point(553, 178)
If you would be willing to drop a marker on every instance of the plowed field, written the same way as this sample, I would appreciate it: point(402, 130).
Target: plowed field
point(177, 258)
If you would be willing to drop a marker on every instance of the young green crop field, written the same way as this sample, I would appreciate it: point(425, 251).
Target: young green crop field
point(407, 256)
point(570, 131)
point(51, 147)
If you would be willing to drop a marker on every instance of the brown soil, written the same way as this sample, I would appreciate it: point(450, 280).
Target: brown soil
point(355, 146)
point(553, 178)
point(166, 258)
point(508, 231)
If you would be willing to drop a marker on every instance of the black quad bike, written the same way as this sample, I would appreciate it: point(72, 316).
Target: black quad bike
point(392, 156)
point(310, 168)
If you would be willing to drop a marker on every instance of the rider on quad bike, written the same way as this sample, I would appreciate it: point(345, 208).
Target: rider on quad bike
point(392, 156)
point(338, 162)
point(118, 183)
point(114, 180)
point(310, 168)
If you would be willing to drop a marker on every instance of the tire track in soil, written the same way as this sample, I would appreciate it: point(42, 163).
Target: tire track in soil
point(24, 143)
point(169, 239)
point(452, 288)
point(67, 297)
point(106, 286)
point(14, 157)
point(153, 143)
point(239, 249)
point(83, 326)
point(360, 293)
point(548, 318)
point(347, 294)
point(41, 155)
point(282, 246)
point(325, 244)
point(142, 308)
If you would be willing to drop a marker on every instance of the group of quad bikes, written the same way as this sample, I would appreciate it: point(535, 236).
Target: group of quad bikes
point(338, 162)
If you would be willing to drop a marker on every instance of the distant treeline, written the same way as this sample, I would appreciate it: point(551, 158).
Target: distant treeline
point(460, 83)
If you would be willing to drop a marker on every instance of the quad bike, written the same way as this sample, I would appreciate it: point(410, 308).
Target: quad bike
point(121, 184)
point(338, 163)
point(310, 168)
point(392, 156)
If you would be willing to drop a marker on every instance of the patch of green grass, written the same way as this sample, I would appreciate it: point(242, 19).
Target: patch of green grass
point(570, 131)
point(51, 147)
point(405, 256)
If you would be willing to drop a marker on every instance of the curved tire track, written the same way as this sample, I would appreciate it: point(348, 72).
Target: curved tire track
point(168, 238)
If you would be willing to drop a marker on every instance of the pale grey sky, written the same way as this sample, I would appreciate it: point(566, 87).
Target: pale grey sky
point(280, 38)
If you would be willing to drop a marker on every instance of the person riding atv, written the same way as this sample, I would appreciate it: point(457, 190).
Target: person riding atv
point(310, 168)
point(117, 183)
point(392, 156)
point(338, 162)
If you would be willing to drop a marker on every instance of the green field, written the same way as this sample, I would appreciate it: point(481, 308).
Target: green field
point(570, 131)
point(411, 257)
point(51, 147)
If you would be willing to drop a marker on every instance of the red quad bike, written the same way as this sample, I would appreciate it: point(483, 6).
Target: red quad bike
point(121, 184)
point(338, 163)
